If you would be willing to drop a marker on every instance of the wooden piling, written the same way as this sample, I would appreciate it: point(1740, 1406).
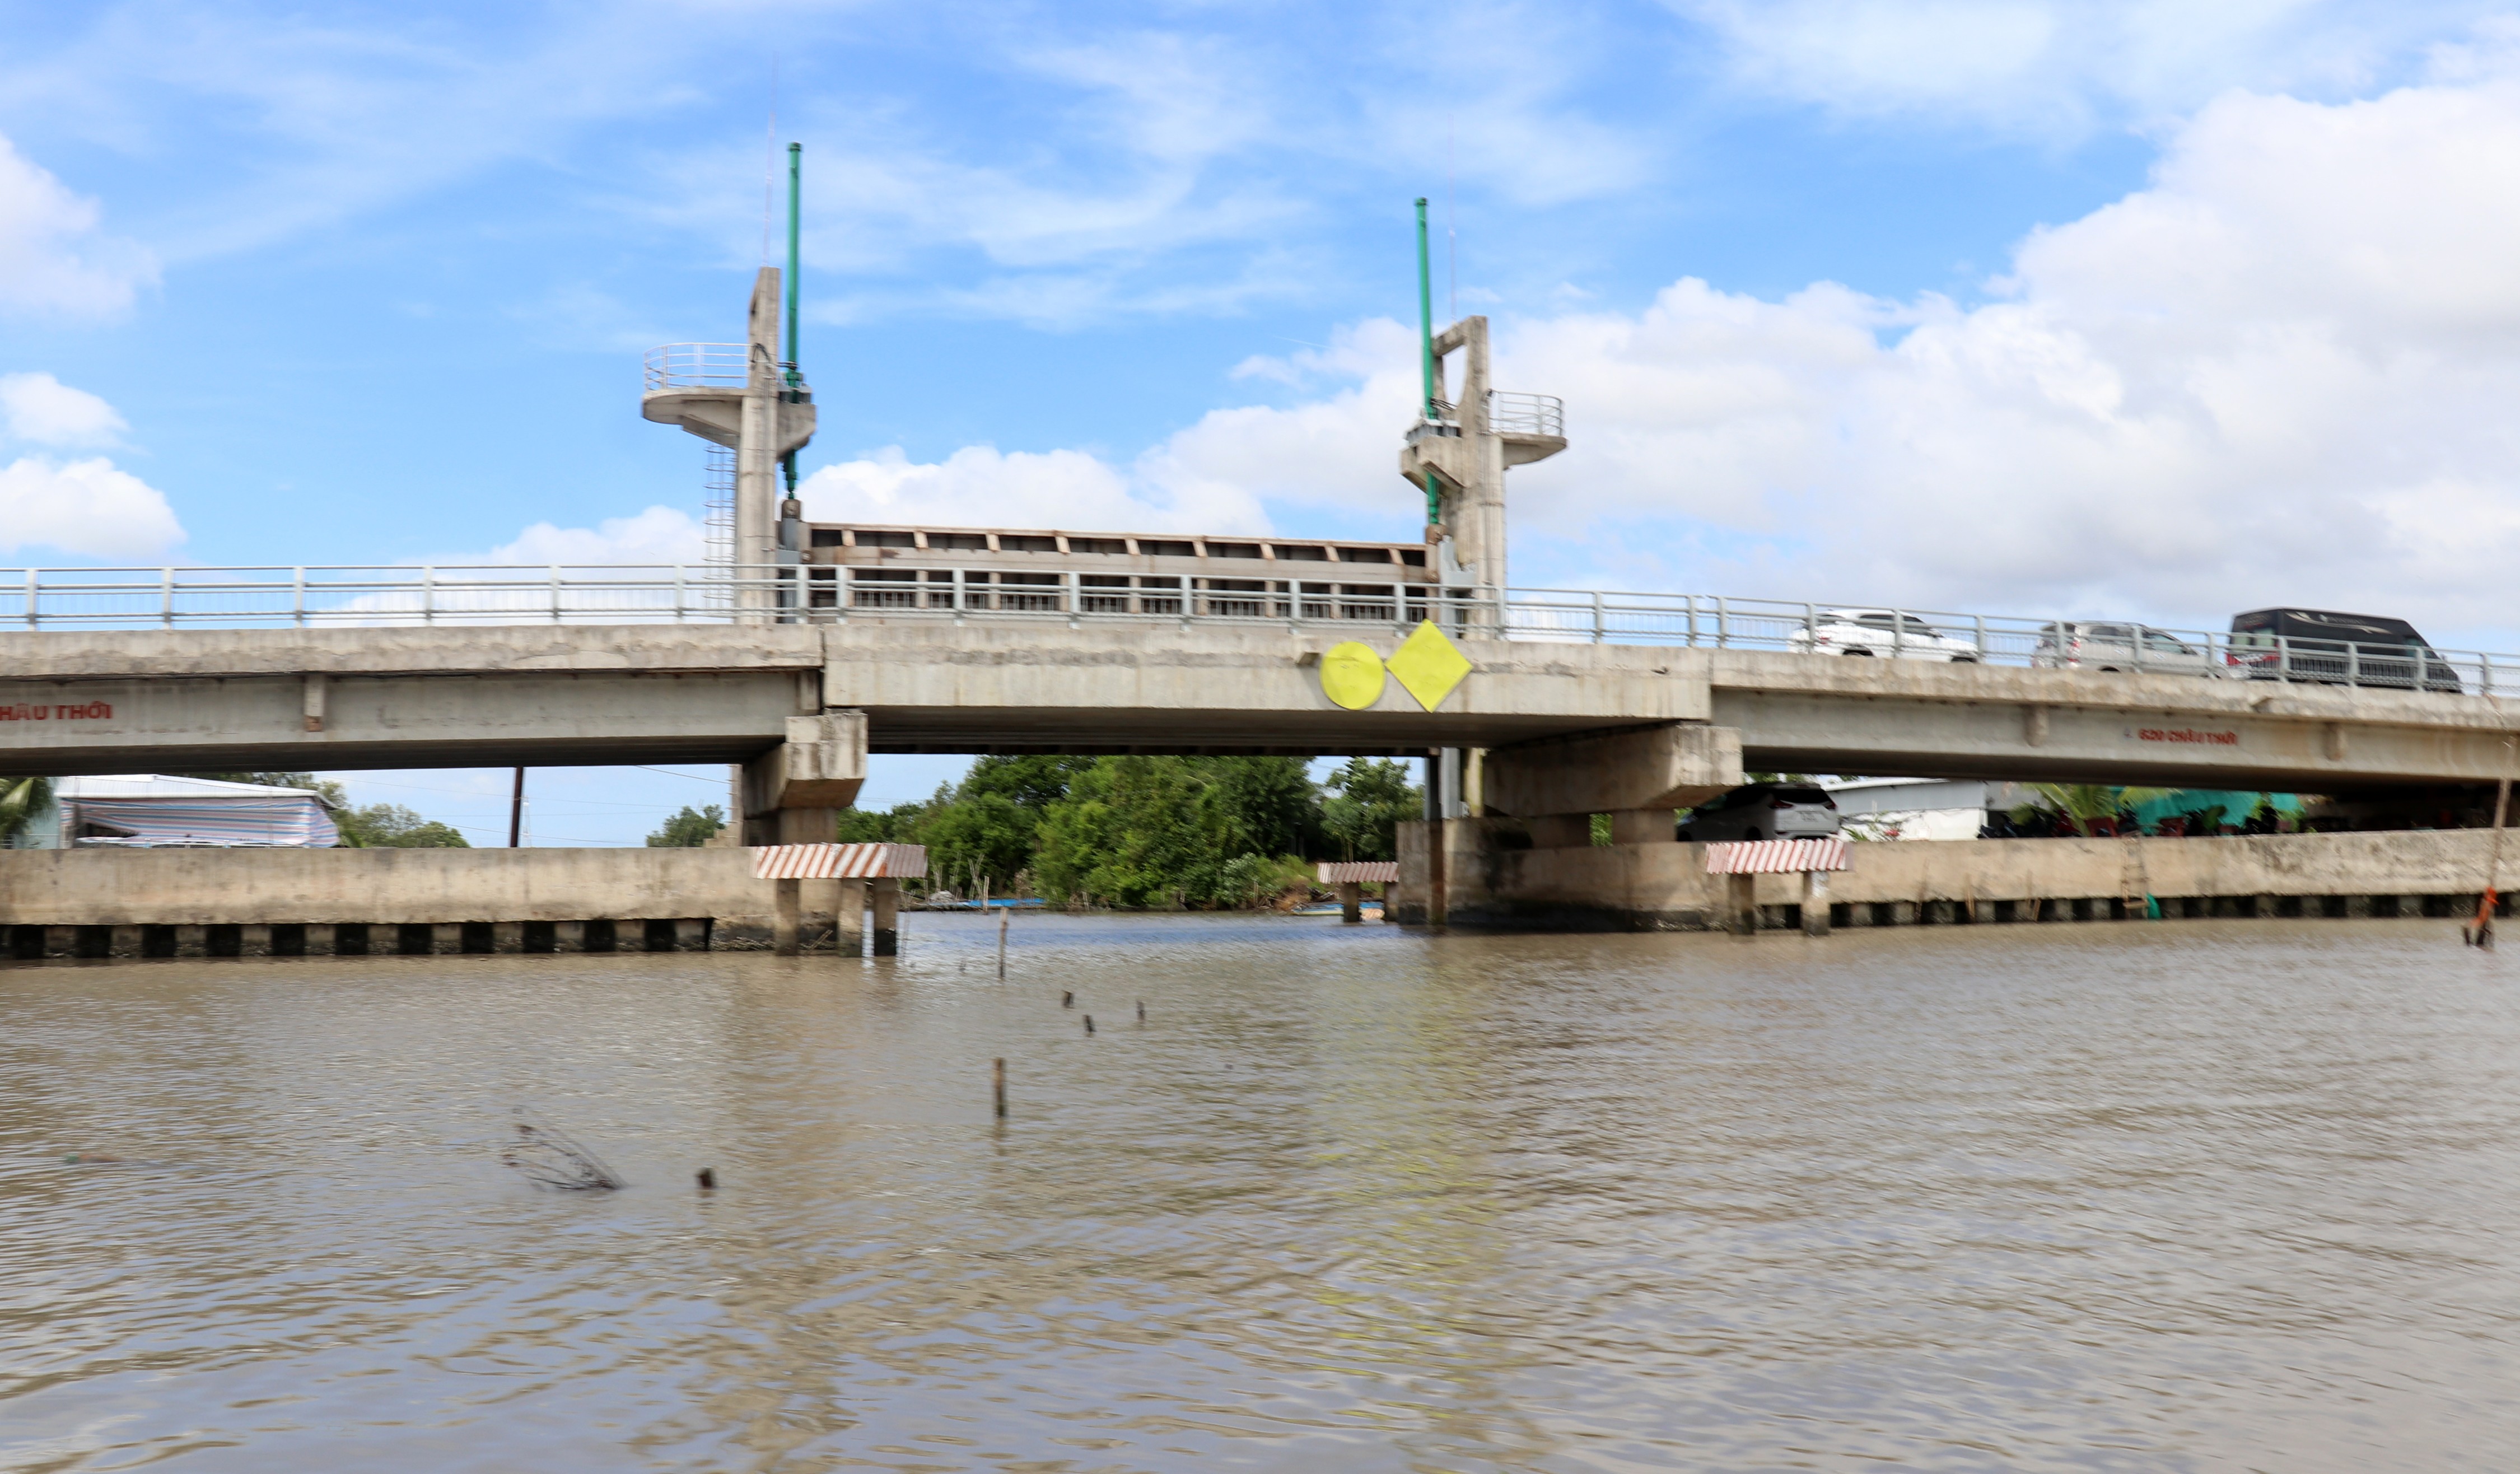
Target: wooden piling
point(998, 1087)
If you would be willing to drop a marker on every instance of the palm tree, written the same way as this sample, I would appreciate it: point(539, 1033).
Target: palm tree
point(21, 799)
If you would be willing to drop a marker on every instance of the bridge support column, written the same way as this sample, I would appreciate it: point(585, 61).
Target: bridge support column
point(1643, 770)
point(1641, 826)
point(1741, 904)
point(887, 917)
point(793, 792)
point(1815, 902)
point(785, 916)
point(849, 920)
point(1351, 897)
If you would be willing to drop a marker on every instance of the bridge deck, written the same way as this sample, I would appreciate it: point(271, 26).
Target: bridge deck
point(98, 700)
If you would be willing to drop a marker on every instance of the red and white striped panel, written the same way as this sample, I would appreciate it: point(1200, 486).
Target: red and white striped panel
point(1359, 872)
point(1776, 856)
point(838, 861)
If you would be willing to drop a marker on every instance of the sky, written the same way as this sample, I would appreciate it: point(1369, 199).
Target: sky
point(2025, 307)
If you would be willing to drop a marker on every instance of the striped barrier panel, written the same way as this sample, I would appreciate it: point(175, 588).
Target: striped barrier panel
point(838, 861)
point(1359, 872)
point(1776, 856)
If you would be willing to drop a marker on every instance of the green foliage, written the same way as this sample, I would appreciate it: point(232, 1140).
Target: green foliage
point(1601, 828)
point(394, 828)
point(21, 799)
point(2084, 803)
point(689, 828)
point(901, 823)
point(1160, 832)
point(1363, 805)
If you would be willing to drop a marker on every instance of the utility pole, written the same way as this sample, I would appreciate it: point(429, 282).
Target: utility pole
point(517, 811)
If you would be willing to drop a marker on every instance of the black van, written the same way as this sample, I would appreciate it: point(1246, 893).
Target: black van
point(2335, 649)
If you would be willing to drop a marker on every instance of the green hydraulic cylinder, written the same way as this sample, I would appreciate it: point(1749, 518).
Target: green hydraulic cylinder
point(1426, 353)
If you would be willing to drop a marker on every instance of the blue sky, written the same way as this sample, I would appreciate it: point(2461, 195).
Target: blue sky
point(2013, 304)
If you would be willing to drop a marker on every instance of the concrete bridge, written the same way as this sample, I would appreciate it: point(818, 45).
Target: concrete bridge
point(1569, 727)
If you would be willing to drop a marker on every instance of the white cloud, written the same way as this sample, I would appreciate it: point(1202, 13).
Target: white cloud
point(40, 408)
point(657, 535)
point(2284, 370)
point(980, 486)
point(88, 508)
point(2058, 67)
point(53, 261)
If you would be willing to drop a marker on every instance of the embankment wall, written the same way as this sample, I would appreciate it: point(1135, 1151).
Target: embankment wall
point(106, 887)
point(1659, 886)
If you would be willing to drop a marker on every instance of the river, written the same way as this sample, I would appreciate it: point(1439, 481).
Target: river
point(2190, 1196)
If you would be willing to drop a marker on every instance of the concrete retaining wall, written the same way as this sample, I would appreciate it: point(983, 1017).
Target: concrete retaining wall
point(178, 887)
point(1665, 886)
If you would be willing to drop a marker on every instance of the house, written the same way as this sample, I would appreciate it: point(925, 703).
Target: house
point(153, 811)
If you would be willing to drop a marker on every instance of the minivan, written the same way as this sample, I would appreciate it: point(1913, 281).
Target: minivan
point(2332, 648)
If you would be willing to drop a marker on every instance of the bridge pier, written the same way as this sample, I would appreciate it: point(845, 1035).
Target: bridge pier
point(887, 917)
point(792, 794)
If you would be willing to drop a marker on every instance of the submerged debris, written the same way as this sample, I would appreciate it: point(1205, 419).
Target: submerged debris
point(550, 1158)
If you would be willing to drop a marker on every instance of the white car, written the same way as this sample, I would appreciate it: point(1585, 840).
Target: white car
point(2066, 645)
point(1880, 633)
point(1763, 810)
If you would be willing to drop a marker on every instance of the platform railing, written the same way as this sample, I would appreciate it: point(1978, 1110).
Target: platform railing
point(1510, 414)
point(397, 596)
point(699, 366)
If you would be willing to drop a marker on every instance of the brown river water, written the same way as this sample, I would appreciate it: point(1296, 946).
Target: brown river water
point(2188, 1196)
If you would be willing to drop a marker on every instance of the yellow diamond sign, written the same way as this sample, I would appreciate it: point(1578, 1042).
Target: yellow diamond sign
point(1352, 675)
point(1429, 665)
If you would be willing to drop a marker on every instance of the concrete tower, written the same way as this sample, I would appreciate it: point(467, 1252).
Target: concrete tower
point(1466, 445)
point(747, 398)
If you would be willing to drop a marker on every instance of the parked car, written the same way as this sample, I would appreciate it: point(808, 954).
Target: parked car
point(1880, 633)
point(1763, 810)
point(2069, 645)
point(2329, 649)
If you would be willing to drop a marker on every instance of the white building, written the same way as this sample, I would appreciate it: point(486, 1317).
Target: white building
point(153, 811)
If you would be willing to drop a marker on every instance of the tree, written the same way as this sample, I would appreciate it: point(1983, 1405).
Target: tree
point(21, 800)
point(1263, 805)
point(689, 829)
point(395, 827)
point(1367, 799)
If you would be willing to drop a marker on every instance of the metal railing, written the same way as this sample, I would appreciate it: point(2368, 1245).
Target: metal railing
point(1526, 413)
point(699, 366)
point(389, 597)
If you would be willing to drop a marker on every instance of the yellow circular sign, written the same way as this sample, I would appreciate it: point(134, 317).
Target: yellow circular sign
point(1352, 675)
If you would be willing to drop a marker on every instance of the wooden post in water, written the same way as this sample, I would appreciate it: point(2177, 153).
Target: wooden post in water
point(998, 1082)
point(1003, 918)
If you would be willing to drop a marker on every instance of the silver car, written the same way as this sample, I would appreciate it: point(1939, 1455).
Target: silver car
point(1763, 810)
point(2069, 645)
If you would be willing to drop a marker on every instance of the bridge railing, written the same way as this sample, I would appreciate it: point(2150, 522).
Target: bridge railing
point(399, 596)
